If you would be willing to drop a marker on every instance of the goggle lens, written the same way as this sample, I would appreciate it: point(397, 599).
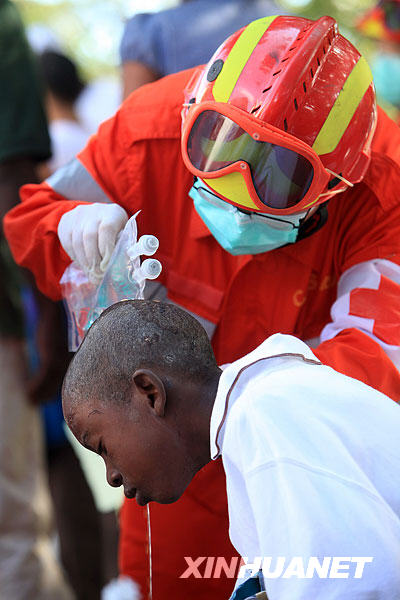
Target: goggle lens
point(281, 177)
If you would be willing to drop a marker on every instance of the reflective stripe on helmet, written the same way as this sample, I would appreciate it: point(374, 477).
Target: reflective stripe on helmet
point(343, 108)
point(238, 57)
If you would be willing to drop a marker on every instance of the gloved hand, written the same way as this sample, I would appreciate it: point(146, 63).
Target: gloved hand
point(88, 233)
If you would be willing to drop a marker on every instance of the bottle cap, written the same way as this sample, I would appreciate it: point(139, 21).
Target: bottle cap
point(151, 268)
point(148, 244)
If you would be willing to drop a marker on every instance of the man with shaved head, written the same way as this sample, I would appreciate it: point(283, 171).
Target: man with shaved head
point(150, 346)
point(311, 457)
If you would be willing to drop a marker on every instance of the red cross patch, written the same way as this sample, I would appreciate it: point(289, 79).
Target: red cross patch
point(381, 305)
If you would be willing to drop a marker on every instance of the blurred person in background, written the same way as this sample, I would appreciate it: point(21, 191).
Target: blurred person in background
point(28, 567)
point(63, 88)
point(98, 101)
point(100, 97)
point(157, 44)
point(88, 551)
point(382, 23)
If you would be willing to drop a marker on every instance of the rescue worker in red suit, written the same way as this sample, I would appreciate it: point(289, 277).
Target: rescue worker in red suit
point(293, 227)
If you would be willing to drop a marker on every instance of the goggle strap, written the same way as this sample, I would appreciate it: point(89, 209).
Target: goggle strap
point(346, 181)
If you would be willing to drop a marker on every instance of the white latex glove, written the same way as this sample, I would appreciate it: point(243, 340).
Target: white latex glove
point(88, 233)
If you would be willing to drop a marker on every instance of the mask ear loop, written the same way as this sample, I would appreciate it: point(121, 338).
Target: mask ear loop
point(340, 178)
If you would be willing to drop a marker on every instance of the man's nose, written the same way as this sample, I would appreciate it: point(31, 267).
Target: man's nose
point(114, 478)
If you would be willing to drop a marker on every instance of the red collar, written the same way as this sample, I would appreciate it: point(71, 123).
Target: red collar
point(197, 228)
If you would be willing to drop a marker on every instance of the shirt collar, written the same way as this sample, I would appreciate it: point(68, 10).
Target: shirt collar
point(277, 346)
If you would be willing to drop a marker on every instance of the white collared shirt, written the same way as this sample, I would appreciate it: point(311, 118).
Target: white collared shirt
point(312, 463)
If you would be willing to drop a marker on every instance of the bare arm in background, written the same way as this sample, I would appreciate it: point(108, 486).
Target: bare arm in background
point(134, 75)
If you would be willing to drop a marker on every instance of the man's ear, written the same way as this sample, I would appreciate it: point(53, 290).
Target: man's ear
point(148, 384)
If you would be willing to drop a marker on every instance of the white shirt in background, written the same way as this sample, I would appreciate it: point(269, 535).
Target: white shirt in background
point(67, 139)
point(312, 462)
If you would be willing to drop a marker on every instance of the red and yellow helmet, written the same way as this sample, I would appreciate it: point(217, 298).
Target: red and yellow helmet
point(281, 117)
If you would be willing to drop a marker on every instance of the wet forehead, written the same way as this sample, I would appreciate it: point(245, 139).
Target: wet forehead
point(77, 416)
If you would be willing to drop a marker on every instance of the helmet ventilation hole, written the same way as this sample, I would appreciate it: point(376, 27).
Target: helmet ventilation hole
point(312, 70)
point(255, 109)
point(285, 125)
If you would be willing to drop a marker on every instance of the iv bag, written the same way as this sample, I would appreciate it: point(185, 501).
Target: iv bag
point(124, 278)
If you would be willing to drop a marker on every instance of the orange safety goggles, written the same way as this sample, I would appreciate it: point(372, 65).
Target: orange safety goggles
point(251, 164)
